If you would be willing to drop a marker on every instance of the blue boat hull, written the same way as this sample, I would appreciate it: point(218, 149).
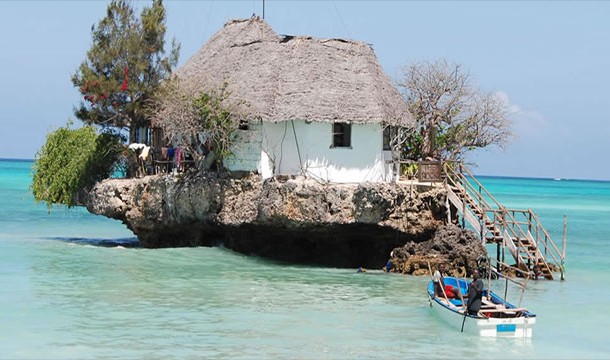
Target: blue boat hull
point(497, 318)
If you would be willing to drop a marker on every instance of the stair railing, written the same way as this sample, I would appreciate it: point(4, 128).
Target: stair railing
point(458, 176)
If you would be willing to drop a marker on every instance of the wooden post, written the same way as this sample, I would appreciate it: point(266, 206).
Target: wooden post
point(498, 245)
point(503, 251)
point(448, 206)
point(563, 246)
point(464, 213)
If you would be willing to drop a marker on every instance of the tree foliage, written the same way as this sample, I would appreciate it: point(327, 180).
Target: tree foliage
point(125, 65)
point(452, 116)
point(201, 122)
point(72, 160)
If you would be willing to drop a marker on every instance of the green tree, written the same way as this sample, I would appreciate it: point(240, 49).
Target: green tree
point(452, 116)
point(125, 66)
point(72, 161)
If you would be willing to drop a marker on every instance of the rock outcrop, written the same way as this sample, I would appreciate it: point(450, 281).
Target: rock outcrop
point(297, 220)
point(456, 248)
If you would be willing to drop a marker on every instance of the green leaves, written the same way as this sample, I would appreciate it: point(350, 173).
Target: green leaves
point(217, 122)
point(202, 122)
point(122, 71)
point(72, 160)
point(125, 66)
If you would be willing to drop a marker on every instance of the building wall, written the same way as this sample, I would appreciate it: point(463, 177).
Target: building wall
point(300, 148)
point(247, 152)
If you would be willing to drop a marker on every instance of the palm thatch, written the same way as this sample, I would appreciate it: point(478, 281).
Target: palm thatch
point(284, 78)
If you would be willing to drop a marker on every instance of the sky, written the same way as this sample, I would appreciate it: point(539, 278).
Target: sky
point(549, 59)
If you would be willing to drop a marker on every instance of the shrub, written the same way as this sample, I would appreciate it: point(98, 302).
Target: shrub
point(71, 161)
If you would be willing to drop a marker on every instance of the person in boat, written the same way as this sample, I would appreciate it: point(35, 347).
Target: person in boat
point(439, 283)
point(475, 293)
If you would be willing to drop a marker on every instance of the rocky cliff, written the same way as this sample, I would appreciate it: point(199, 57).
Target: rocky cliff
point(297, 220)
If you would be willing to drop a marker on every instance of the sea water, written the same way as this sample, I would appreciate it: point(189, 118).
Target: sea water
point(76, 286)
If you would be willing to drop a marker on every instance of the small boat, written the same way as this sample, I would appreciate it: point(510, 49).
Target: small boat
point(497, 317)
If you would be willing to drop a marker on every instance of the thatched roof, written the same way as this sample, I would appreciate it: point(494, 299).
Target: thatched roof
point(296, 77)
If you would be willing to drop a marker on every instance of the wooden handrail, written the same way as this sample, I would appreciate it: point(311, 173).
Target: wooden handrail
point(546, 234)
point(459, 177)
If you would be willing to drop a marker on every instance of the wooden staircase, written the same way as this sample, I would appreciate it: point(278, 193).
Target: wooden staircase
point(519, 231)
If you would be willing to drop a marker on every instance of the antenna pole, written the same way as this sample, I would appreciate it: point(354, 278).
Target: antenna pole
point(263, 9)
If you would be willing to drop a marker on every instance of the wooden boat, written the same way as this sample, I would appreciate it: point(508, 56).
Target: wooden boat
point(497, 317)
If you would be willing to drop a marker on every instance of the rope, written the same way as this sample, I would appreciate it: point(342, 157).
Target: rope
point(341, 18)
point(296, 141)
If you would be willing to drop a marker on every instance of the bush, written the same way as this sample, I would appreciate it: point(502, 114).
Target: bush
point(73, 160)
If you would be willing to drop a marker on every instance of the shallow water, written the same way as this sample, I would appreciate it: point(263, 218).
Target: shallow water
point(73, 286)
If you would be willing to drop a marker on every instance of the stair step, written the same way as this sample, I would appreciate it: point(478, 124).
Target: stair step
point(493, 229)
point(495, 239)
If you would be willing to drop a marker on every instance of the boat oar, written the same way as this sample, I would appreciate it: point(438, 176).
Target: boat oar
point(463, 321)
point(432, 279)
point(463, 303)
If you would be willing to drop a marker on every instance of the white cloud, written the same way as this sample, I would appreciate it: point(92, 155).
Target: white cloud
point(526, 122)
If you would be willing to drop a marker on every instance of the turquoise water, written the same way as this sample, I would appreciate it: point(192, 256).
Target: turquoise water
point(72, 286)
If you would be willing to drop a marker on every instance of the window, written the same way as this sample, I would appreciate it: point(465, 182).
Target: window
point(244, 125)
point(342, 135)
